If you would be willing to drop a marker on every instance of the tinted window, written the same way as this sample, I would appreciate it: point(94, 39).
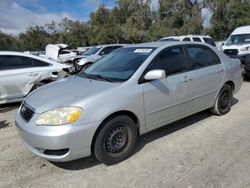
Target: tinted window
point(37, 63)
point(64, 52)
point(92, 51)
point(202, 57)
point(116, 47)
point(186, 39)
point(209, 41)
point(196, 39)
point(14, 62)
point(106, 50)
point(171, 60)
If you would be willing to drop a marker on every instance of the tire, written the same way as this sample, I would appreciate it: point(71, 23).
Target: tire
point(116, 140)
point(37, 85)
point(223, 101)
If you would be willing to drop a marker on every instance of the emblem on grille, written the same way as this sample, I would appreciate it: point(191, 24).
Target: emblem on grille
point(23, 109)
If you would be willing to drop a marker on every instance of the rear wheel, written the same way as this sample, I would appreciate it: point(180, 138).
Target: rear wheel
point(223, 102)
point(116, 140)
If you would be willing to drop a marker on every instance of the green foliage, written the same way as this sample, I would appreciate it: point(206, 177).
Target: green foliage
point(8, 42)
point(132, 21)
point(228, 14)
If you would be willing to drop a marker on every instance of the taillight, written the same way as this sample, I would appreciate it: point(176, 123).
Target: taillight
point(242, 66)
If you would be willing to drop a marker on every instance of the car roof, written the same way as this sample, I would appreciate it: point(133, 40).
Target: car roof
point(158, 44)
point(194, 36)
point(241, 30)
point(165, 44)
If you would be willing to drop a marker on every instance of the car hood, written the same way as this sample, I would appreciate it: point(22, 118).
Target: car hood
point(239, 46)
point(66, 92)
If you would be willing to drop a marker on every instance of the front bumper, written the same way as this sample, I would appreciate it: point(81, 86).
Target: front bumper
point(57, 143)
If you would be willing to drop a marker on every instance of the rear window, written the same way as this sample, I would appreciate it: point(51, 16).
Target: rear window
point(14, 62)
point(196, 39)
point(187, 39)
point(209, 41)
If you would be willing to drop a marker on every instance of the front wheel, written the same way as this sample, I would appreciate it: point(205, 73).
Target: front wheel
point(116, 140)
point(223, 101)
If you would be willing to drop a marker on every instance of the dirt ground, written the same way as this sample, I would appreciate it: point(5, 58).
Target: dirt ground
point(199, 151)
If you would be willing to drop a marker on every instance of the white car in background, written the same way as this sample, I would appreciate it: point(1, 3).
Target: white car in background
point(59, 52)
point(192, 38)
point(94, 54)
point(20, 73)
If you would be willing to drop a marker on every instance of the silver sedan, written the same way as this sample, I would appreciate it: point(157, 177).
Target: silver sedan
point(136, 89)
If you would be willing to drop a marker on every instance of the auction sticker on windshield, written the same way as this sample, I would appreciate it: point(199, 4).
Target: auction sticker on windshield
point(143, 50)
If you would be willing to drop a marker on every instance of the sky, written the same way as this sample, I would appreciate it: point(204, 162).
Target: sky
point(17, 15)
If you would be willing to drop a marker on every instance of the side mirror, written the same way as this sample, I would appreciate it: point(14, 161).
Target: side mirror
point(155, 75)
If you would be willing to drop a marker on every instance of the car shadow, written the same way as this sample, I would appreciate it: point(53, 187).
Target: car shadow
point(89, 162)
point(9, 107)
point(79, 164)
point(4, 124)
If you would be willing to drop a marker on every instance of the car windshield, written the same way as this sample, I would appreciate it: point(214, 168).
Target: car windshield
point(239, 39)
point(119, 65)
point(92, 51)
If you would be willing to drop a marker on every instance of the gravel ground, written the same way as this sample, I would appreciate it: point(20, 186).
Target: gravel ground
point(199, 151)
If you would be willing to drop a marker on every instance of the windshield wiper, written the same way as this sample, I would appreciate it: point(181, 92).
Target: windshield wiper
point(104, 78)
point(94, 77)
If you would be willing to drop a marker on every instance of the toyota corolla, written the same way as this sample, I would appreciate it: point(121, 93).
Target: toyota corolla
point(104, 109)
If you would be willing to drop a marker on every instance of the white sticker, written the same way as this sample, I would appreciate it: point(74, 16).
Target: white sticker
point(143, 50)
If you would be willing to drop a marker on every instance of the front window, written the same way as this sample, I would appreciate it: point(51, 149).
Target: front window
point(119, 65)
point(92, 51)
point(239, 39)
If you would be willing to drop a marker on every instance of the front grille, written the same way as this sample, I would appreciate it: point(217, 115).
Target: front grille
point(26, 112)
point(247, 66)
point(231, 52)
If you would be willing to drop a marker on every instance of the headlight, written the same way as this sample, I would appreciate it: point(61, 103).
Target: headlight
point(245, 48)
point(59, 116)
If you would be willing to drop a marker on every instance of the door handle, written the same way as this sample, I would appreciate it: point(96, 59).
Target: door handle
point(187, 79)
point(219, 70)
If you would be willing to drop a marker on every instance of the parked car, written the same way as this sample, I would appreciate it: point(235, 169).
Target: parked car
point(238, 46)
point(59, 52)
point(94, 54)
point(20, 73)
point(193, 38)
point(133, 90)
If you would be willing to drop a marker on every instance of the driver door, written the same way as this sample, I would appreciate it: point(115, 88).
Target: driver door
point(168, 99)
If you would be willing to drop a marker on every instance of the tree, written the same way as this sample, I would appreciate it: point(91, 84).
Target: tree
point(8, 42)
point(227, 15)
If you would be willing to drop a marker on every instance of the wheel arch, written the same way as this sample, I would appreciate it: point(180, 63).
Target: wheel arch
point(115, 114)
point(231, 84)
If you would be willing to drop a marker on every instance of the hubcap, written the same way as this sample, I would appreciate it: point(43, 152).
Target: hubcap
point(116, 140)
point(225, 100)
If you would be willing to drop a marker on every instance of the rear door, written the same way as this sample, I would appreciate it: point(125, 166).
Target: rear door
point(16, 76)
point(170, 98)
point(207, 72)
